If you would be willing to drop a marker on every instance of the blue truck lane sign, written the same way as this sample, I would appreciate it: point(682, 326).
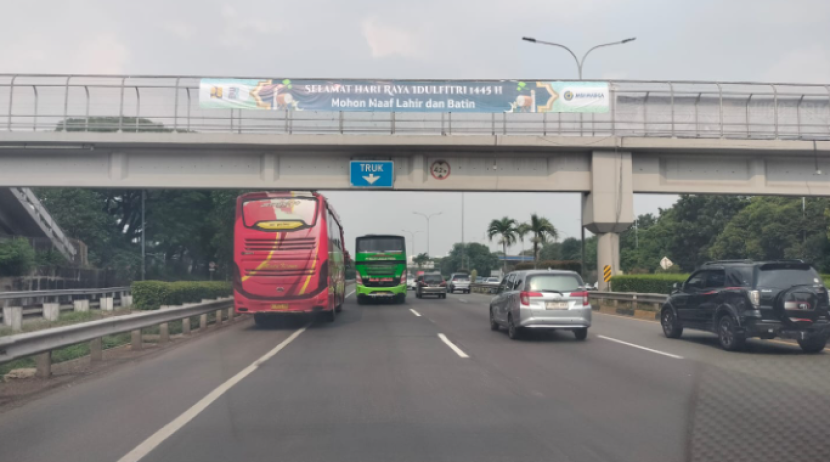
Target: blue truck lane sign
point(372, 173)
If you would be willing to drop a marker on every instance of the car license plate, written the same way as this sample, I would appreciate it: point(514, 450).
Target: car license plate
point(381, 294)
point(279, 306)
point(557, 305)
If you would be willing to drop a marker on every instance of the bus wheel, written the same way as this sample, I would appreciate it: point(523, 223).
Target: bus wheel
point(261, 320)
point(361, 300)
point(329, 316)
point(339, 308)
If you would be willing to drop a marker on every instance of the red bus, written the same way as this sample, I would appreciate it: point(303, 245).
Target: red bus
point(288, 255)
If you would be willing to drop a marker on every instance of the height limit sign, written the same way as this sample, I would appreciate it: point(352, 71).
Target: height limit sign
point(440, 169)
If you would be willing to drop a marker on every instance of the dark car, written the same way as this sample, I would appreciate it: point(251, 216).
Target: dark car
point(430, 284)
point(741, 299)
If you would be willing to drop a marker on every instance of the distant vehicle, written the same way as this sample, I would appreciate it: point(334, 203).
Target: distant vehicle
point(459, 283)
point(739, 299)
point(541, 299)
point(380, 262)
point(431, 284)
point(288, 255)
point(491, 280)
point(410, 282)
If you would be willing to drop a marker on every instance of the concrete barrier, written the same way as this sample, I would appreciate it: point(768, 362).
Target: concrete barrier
point(13, 317)
point(51, 311)
point(107, 303)
point(81, 305)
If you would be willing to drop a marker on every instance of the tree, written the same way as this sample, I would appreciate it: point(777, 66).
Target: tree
point(420, 259)
point(478, 257)
point(541, 229)
point(522, 230)
point(506, 229)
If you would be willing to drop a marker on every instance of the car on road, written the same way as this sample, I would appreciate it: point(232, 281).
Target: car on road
point(410, 282)
point(541, 299)
point(459, 283)
point(491, 280)
point(431, 284)
point(739, 299)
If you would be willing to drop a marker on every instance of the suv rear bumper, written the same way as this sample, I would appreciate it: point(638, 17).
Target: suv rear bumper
point(771, 329)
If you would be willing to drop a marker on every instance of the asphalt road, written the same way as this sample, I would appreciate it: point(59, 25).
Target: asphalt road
point(429, 381)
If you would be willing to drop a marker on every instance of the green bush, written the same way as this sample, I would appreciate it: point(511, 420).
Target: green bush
point(17, 257)
point(570, 265)
point(150, 295)
point(647, 283)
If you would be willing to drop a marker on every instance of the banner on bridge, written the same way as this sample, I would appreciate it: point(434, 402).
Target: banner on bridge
point(471, 96)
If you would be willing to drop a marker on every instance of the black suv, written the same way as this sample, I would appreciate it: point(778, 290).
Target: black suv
point(742, 299)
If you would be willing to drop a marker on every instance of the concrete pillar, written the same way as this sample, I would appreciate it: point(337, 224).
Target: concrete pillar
point(43, 364)
point(96, 349)
point(51, 311)
point(186, 326)
point(608, 209)
point(202, 322)
point(230, 315)
point(13, 317)
point(81, 305)
point(126, 301)
point(137, 343)
point(164, 333)
point(107, 303)
point(218, 318)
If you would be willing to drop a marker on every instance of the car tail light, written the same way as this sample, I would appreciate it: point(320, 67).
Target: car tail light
point(524, 297)
point(358, 278)
point(755, 298)
point(422, 283)
point(443, 284)
point(584, 296)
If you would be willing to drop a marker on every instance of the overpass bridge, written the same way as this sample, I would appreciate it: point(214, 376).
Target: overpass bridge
point(22, 214)
point(653, 137)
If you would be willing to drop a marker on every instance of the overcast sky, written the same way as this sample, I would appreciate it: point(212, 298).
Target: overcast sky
point(762, 40)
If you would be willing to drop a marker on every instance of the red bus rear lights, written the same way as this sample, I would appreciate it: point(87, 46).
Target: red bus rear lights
point(524, 297)
point(584, 296)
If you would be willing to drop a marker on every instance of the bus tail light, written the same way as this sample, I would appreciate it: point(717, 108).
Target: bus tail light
point(403, 277)
point(584, 296)
point(324, 275)
point(237, 278)
point(358, 279)
point(524, 297)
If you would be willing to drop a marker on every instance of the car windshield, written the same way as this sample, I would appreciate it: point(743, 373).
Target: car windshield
point(782, 278)
point(553, 282)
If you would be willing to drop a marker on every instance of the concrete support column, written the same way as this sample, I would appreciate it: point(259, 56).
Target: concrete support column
point(202, 322)
point(51, 311)
point(81, 305)
point(186, 326)
point(218, 318)
point(608, 209)
point(126, 301)
point(13, 317)
point(107, 303)
point(43, 364)
point(137, 343)
point(230, 315)
point(164, 333)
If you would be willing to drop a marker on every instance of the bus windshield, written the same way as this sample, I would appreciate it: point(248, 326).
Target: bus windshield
point(380, 244)
point(300, 211)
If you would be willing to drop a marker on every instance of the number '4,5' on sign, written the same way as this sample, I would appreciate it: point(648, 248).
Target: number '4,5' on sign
point(372, 173)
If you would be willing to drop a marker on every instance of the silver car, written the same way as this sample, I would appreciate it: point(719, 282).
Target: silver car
point(541, 300)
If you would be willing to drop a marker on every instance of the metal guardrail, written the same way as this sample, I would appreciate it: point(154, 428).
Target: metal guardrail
point(21, 295)
point(633, 298)
point(484, 287)
point(691, 109)
point(44, 341)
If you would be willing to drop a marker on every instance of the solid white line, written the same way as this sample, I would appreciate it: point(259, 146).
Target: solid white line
point(350, 293)
point(415, 312)
point(160, 436)
point(452, 346)
point(641, 347)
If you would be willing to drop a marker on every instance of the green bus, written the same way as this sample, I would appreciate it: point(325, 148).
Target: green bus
point(380, 263)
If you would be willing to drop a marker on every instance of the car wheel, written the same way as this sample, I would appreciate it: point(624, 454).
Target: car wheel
point(728, 336)
point(671, 326)
point(813, 344)
point(493, 324)
point(513, 331)
point(581, 333)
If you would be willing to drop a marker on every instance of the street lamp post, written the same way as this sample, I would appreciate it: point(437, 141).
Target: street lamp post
point(412, 234)
point(427, 217)
point(579, 65)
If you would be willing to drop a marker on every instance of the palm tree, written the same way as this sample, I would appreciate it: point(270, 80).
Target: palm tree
point(506, 228)
point(522, 230)
point(541, 229)
point(420, 259)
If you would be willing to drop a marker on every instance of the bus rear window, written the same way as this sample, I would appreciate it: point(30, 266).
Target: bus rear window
point(380, 244)
point(280, 212)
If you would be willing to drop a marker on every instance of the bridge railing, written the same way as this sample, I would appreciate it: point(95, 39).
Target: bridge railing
point(689, 109)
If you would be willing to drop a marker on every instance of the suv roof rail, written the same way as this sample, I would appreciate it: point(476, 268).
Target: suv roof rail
point(721, 262)
point(785, 260)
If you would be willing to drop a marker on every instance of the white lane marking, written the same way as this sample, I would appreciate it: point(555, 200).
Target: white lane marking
point(462, 300)
point(165, 432)
point(454, 348)
point(350, 293)
point(415, 312)
point(640, 347)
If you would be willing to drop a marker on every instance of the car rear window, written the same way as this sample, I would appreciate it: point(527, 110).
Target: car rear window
point(557, 282)
point(432, 278)
point(461, 278)
point(781, 277)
